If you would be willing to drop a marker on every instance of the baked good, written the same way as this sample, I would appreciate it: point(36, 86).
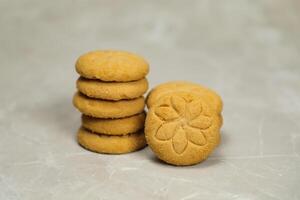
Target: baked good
point(111, 65)
point(120, 126)
point(108, 109)
point(209, 95)
point(182, 129)
point(112, 90)
point(111, 144)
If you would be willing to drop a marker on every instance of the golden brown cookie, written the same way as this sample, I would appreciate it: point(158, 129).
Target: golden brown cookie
point(176, 86)
point(108, 109)
point(112, 90)
point(111, 144)
point(112, 65)
point(182, 129)
point(121, 126)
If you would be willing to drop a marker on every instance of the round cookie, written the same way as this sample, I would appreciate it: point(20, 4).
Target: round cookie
point(111, 144)
point(175, 86)
point(108, 109)
point(112, 90)
point(110, 65)
point(121, 126)
point(182, 129)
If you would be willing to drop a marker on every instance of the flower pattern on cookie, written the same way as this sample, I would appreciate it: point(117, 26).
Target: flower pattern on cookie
point(182, 122)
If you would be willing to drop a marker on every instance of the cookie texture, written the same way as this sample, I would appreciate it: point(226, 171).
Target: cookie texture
point(121, 126)
point(209, 95)
point(112, 90)
point(112, 65)
point(111, 144)
point(108, 109)
point(182, 129)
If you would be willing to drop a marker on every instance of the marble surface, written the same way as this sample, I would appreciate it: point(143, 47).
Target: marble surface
point(248, 51)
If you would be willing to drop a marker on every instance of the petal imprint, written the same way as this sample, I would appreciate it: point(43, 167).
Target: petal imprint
point(178, 103)
point(179, 141)
point(166, 113)
point(166, 131)
point(201, 122)
point(194, 109)
point(195, 136)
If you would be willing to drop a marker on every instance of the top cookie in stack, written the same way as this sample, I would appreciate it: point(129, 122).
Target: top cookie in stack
point(110, 90)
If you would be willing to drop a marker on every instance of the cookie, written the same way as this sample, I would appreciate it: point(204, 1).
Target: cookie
point(110, 65)
point(182, 129)
point(108, 109)
point(121, 126)
point(112, 90)
point(175, 86)
point(111, 144)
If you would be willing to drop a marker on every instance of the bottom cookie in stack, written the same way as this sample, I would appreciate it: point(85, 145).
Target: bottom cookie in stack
point(112, 136)
point(111, 144)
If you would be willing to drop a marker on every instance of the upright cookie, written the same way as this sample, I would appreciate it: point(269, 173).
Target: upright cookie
point(108, 109)
point(112, 65)
point(112, 90)
point(182, 129)
point(111, 144)
point(176, 86)
point(121, 126)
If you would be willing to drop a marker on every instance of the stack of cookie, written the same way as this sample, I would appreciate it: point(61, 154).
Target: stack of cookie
point(183, 122)
point(110, 97)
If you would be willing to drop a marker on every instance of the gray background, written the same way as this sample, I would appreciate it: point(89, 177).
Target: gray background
point(248, 51)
